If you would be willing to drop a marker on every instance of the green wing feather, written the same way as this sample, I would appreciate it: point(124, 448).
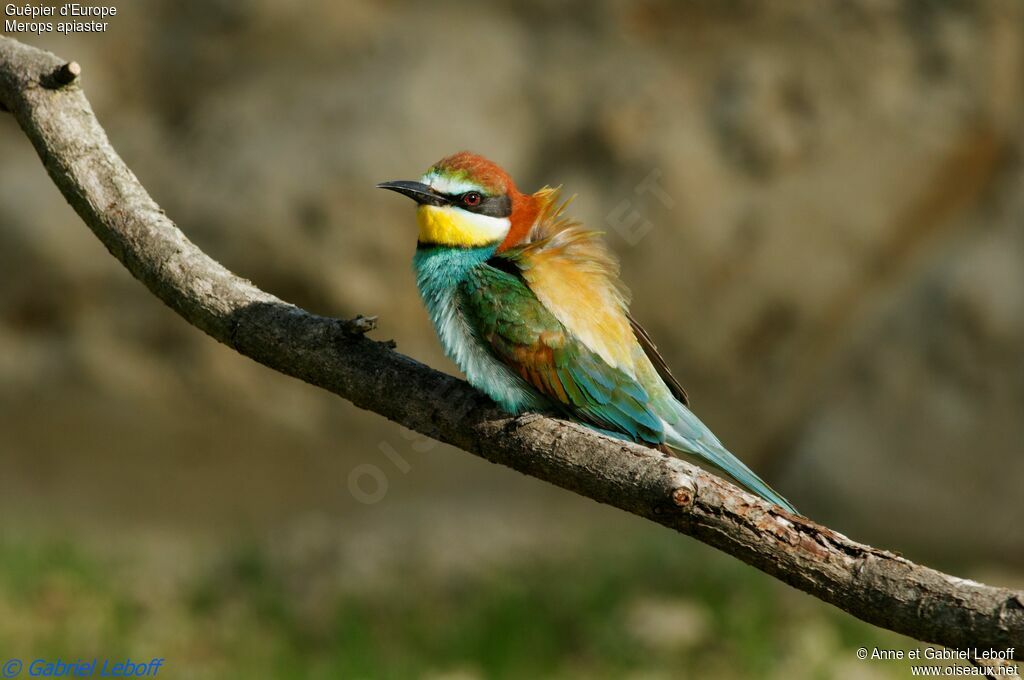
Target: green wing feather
point(525, 336)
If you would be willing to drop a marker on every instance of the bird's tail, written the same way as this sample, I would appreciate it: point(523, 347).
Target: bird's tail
point(707, 447)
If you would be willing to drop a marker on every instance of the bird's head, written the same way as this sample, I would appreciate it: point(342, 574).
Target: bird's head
point(467, 201)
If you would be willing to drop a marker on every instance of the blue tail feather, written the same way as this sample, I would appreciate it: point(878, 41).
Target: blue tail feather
point(711, 450)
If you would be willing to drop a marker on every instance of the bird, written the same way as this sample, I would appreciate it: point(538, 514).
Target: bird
point(529, 305)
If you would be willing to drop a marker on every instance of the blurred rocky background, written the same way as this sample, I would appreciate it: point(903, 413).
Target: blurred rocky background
point(819, 210)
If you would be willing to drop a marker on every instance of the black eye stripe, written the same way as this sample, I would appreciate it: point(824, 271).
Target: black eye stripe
point(492, 206)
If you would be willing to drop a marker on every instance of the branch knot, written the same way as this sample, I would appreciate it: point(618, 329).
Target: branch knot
point(62, 76)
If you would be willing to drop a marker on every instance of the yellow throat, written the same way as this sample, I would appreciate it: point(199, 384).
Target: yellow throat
point(452, 226)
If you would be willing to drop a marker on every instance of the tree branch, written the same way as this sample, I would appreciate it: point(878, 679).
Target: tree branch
point(882, 588)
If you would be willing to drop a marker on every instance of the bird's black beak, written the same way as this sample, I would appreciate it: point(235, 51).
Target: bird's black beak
point(417, 191)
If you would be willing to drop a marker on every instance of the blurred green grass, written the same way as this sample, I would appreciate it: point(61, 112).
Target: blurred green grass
point(645, 605)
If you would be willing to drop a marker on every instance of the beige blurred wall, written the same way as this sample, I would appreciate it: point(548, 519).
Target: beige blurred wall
point(833, 259)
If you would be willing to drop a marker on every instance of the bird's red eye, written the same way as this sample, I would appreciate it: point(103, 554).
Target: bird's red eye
point(471, 199)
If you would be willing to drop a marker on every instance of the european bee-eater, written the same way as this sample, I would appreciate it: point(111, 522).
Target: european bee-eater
point(529, 305)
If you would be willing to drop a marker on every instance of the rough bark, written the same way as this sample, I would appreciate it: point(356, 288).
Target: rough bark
point(882, 588)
